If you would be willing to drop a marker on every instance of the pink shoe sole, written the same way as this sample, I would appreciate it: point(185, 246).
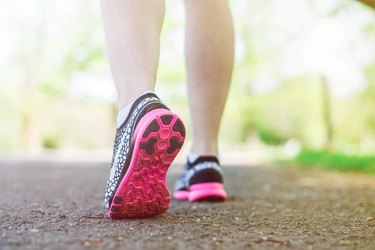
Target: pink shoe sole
point(143, 191)
point(181, 195)
point(209, 191)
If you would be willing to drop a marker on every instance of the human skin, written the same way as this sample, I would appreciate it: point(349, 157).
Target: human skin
point(132, 30)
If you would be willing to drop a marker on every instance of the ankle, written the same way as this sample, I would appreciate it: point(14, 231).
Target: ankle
point(193, 158)
point(204, 150)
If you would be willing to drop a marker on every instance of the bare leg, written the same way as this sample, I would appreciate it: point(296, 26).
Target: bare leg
point(132, 29)
point(209, 55)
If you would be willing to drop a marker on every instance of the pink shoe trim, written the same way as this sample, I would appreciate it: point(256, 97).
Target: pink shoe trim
point(143, 191)
point(181, 195)
point(210, 191)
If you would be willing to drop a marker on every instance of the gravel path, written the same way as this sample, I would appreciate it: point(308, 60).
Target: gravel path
point(46, 205)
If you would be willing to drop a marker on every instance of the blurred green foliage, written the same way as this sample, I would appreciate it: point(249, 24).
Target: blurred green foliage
point(276, 95)
point(269, 138)
point(334, 161)
point(51, 141)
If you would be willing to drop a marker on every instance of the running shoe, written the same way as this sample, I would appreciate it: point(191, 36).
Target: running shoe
point(202, 180)
point(145, 146)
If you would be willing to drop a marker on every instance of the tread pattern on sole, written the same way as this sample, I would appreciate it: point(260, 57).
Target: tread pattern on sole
point(174, 144)
point(179, 127)
point(153, 127)
point(149, 146)
point(143, 192)
point(166, 119)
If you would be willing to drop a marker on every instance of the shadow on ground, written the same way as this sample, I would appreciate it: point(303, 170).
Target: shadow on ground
point(59, 206)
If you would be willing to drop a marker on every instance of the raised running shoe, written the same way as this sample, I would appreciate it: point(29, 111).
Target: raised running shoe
point(145, 146)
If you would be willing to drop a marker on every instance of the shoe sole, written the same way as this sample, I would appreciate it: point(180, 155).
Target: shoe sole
point(209, 191)
point(181, 195)
point(143, 191)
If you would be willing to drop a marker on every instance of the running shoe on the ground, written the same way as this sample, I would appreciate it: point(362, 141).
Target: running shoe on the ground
point(202, 180)
point(145, 146)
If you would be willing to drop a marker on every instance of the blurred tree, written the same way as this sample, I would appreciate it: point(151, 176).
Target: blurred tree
point(31, 57)
point(48, 62)
point(327, 118)
point(369, 3)
point(282, 50)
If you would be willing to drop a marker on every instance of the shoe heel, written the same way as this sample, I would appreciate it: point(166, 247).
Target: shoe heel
point(143, 192)
point(209, 191)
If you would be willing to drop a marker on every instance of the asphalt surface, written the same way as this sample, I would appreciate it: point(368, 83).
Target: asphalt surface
point(49, 205)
